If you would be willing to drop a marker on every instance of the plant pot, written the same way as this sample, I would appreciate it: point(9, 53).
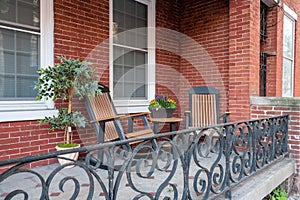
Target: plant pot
point(162, 112)
point(73, 156)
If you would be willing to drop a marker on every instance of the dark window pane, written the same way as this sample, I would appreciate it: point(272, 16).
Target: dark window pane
point(29, 13)
point(8, 10)
point(8, 63)
point(7, 86)
point(8, 38)
point(25, 87)
point(130, 7)
point(141, 11)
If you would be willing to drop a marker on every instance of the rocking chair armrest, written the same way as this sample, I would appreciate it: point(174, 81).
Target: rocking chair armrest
point(135, 115)
point(187, 112)
point(107, 118)
point(225, 117)
point(139, 114)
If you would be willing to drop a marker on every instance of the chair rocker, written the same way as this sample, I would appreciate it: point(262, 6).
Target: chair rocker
point(106, 122)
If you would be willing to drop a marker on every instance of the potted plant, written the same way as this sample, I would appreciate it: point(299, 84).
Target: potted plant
point(62, 81)
point(162, 106)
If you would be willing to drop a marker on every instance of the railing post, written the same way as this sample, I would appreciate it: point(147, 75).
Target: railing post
point(255, 130)
point(227, 152)
point(228, 195)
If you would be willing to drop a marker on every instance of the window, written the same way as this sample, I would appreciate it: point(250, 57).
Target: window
point(288, 54)
point(132, 54)
point(19, 49)
point(263, 21)
point(23, 49)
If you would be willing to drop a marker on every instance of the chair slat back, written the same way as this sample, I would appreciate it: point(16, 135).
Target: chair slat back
point(204, 110)
point(204, 106)
point(102, 107)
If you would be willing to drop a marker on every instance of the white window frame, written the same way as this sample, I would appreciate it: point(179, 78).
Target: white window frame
point(132, 106)
point(289, 13)
point(32, 110)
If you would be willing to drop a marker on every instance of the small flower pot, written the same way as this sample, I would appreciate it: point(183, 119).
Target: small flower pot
point(162, 112)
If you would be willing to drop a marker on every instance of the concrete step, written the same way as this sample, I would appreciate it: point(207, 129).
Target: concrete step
point(262, 183)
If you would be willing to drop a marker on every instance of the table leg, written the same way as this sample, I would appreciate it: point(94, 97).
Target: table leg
point(173, 126)
point(155, 127)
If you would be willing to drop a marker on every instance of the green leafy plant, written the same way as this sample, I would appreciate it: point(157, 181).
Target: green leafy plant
point(278, 194)
point(62, 81)
point(161, 101)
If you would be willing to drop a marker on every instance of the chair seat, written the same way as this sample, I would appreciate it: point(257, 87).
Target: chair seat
point(141, 133)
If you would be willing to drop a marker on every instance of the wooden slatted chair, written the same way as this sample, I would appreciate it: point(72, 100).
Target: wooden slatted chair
point(204, 108)
point(106, 121)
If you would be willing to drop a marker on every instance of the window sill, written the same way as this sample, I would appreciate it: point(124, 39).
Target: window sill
point(11, 111)
point(131, 106)
point(24, 115)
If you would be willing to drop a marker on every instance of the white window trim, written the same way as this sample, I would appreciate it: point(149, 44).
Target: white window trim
point(32, 110)
point(293, 16)
point(132, 106)
point(289, 12)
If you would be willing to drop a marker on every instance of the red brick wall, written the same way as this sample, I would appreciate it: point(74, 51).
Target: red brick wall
point(204, 50)
point(244, 56)
point(167, 51)
point(18, 139)
point(81, 30)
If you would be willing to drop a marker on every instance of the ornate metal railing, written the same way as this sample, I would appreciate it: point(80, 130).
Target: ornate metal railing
point(197, 163)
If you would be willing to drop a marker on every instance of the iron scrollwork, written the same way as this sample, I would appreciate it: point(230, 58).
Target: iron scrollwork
point(199, 163)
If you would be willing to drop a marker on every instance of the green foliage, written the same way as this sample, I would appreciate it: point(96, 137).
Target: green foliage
point(65, 145)
point(55, 81)
point(62, 81)
point(64, 119)
point(278, 194)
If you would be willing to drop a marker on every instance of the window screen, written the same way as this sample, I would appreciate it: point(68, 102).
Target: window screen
point(19, 48)
point(130, 50)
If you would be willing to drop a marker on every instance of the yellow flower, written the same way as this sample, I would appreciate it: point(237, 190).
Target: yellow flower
point(153, 101)
point(171, 101)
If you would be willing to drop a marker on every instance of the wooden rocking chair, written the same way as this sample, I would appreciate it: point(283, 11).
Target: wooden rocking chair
point(106, 121)
point(204, 108)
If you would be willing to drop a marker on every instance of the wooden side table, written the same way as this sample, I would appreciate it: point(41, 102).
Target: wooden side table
point(172, 121)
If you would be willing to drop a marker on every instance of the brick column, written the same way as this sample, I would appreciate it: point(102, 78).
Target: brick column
point(244, 47)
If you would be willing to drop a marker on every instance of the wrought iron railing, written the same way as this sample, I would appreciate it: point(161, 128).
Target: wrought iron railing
point(199, 163)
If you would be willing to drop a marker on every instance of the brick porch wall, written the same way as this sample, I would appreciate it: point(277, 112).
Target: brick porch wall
point(272, 106)
point(205, 57)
